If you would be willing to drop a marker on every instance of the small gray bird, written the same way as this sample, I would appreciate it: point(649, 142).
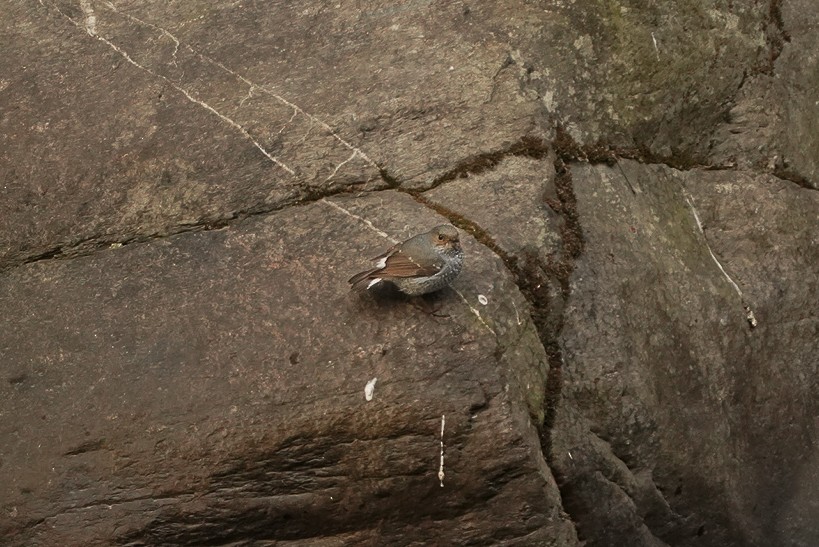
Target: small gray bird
point(422, 264)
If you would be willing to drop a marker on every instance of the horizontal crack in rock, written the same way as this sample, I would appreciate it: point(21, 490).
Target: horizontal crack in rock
point(794, 177)
point(527, 146)
point(90, 245)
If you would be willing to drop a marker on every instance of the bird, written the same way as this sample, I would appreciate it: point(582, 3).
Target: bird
point(422, 264)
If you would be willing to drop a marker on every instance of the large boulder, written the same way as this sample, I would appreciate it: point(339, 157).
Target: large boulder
point(688, 375)
point(212, 387)
point(629, 357)
point(678, 419)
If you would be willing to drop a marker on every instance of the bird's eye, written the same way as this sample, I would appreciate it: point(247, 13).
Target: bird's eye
point(441, 237)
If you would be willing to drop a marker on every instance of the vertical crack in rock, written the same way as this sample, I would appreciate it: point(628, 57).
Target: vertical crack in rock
point(559, 270)
point(775, 36)
point(533, 276)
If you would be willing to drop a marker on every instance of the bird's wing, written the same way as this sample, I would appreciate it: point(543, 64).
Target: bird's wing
point(395, 265)
point(387, 253)
point(399, 264)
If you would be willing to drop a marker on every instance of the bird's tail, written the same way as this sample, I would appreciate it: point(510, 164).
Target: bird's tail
point(361, 281)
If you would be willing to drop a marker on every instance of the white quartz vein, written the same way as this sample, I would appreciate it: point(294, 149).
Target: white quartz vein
point(293, 117)
point(164, 32)
point(707, 246)
point(749, 313)
point(340, 165)
point(356, 152)
point(476, 312)
point(441, 473)
point(89, 27)
point(296, 108)
point(360, 219)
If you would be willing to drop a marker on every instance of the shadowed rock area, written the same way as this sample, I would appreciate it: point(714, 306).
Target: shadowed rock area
point(628, 358)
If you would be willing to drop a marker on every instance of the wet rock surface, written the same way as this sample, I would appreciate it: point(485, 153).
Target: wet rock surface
point(629, 357)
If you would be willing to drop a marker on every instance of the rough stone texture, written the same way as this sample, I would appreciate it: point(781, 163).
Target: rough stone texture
point(664, 433)
point(634, 77)
point(326, 90)
point(181, 361)
point(185, 392)
point(695, 412)
point(767, 127)
point(765, 232)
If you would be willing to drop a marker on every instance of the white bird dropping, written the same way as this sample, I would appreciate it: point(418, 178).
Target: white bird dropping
point(369, 388)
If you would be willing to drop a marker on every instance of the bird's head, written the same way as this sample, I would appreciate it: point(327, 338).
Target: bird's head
point(445, 238)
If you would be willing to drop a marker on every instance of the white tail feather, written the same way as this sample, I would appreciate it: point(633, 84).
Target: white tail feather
point(373, 282)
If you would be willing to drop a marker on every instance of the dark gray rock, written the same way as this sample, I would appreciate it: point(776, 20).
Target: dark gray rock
point(211, 388)
point(629, 357)
point(769, 126)
point(670, 412)
point(693, 406)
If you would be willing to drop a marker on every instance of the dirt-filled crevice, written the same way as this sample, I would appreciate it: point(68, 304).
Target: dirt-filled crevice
point(544, 282)
point(527, 146)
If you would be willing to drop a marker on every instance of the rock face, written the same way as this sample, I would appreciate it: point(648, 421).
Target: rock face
point(211, 388)
point(629, 358)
